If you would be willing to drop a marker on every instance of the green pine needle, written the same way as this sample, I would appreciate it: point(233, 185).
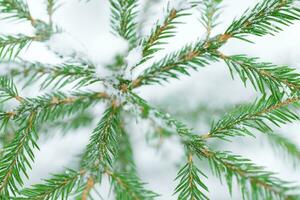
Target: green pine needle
point(190, 184)
point(8, 89)
point(257, 116)
point(189, 57)
point(211, 11)
point(267, 17)
point(263, 75)
point(254, 182)
point(15, 9)
point(162, 31)
point(123, 19)
point(129, 187)
point(17, 157)
point(57, 76)
point(11, 46)
point(110, 151)
point(103, 142)
point(285, 146)
point(60, 186)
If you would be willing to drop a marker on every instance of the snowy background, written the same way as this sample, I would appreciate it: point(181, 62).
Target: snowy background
point(86, 30)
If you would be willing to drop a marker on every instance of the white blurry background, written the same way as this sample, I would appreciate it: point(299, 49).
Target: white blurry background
point(86, 30)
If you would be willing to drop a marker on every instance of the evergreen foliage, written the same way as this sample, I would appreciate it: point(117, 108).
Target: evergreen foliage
point(162, 31)
point(12, 45)
point(55, 77)
point(17, 9)
point(190, 180)
point(60, 186)
point(8, 89)
point(123, 19)
point(110, 152)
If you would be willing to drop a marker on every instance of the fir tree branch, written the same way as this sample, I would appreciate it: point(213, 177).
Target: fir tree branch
point(8, 129)
point(210, 14)
point(190, 184)
point(267, 17)
point(196, 55)
point(11, 46)
point(152, 43)
point(8, 89)
point(17, 9)
point(124, 161)
point(4, 119)
point(129, 186)
point(29, 115)
point(262, 183)
point(52, 6)
point(190, 57)
point(123, 19)
point(253, 181)
point(16, 158)
point(109, 151)
point(285, 146)
point(255, 116)
point(106, 137)
point(103, 142)
point(265, 184)
point(56, 76)
point(263, 74)
point(60, 186)
point(51, 107)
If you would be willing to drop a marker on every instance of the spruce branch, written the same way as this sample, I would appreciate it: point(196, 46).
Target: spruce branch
point(51, 107)
point(59, 186)
point(124, 179)
point(190, 184)
point(16, 158)
point(124, 161)
point(52, 6)
point(210, 14)
point(106, 137)
point(262, 184)
point(4, 120)
point(263, 74)
point(56, 76)
point(32, 112)
point(110, 151)
point(16, 9)
point(129, 186)
point(180, 61)
point(11, 46)
point(255, 116)
point(285, 146)
point(6, 137)
point(103, 142)
point(253, 181)
point(123, 19)
point(267, 17)
point(8, 89)
point(162, 31)
point(189, 57)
